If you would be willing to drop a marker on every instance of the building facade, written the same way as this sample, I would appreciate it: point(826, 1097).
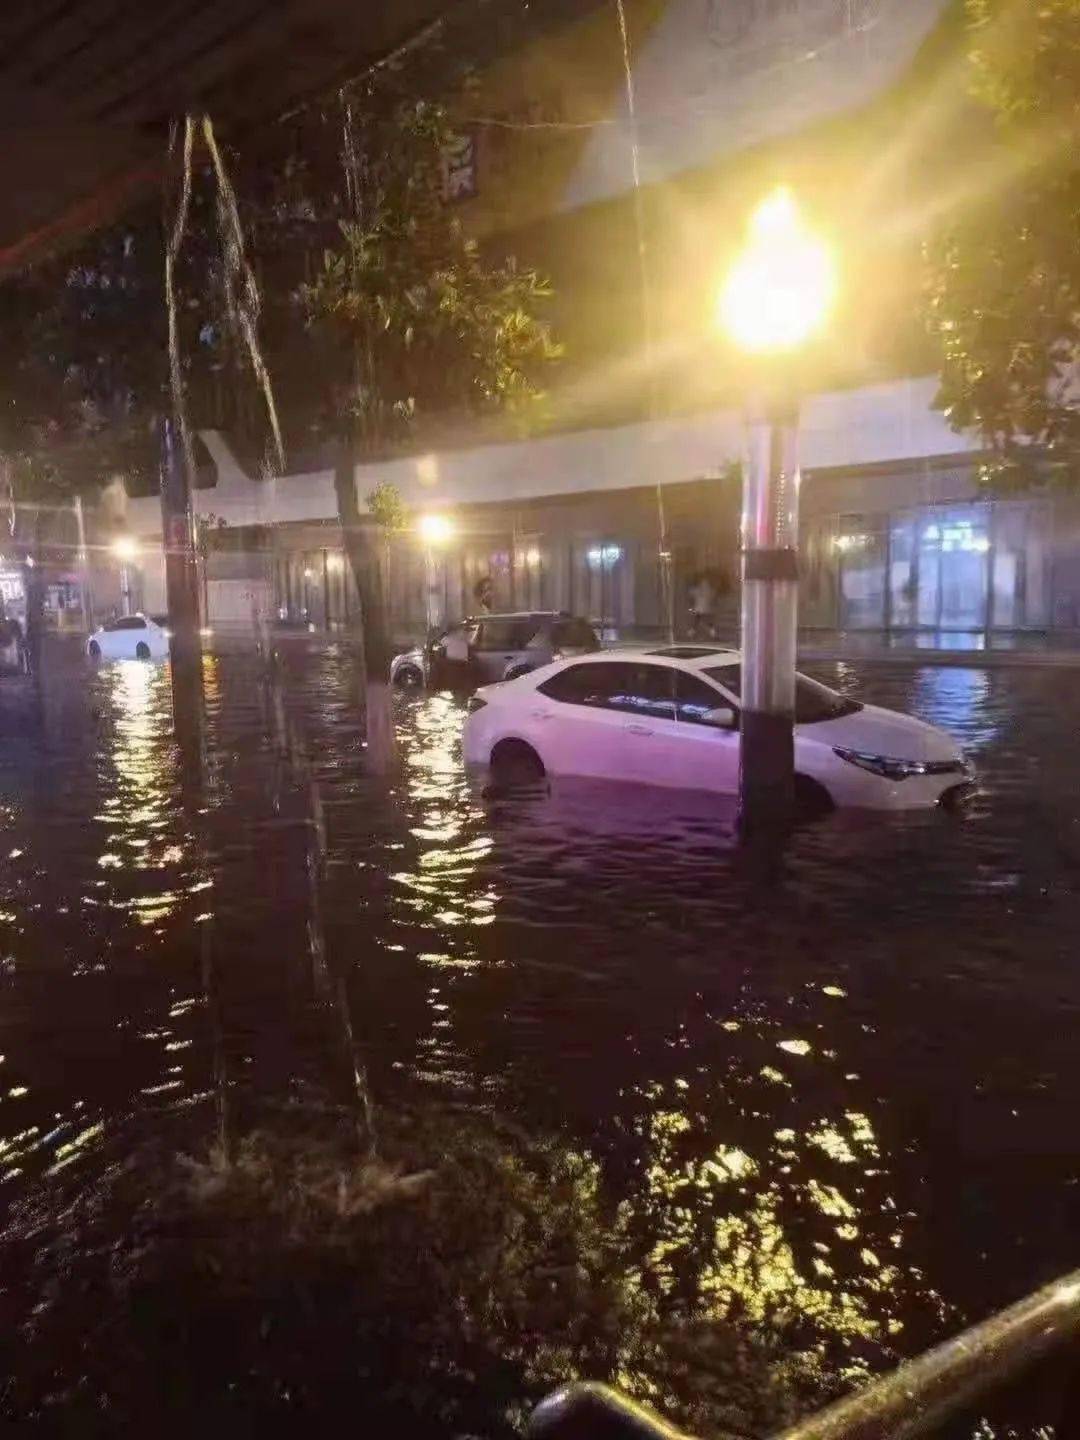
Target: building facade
point(896, 534)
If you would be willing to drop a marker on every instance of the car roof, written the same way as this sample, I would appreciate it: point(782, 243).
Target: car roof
point(688, 657)
point(519, 615)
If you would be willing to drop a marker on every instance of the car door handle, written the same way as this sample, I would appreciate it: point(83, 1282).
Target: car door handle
point(636, 729)
point(540, 714)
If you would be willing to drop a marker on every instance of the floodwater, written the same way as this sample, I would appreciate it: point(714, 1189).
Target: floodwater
point(838, 1083)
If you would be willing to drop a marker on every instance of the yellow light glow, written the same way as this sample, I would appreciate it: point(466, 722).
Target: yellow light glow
point(125, 547)
point(782, 288)
point(436, 529)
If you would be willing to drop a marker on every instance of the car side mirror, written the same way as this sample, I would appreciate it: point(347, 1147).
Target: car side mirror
point(722, 718)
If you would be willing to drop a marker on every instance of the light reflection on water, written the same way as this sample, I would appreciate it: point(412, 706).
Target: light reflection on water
point(823, 1082)
point(137, 775)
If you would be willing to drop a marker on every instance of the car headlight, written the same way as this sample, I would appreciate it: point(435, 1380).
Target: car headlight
point(475, 703)
point(883, 765)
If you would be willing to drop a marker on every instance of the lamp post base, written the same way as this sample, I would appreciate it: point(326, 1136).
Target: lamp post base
point(770, 603)
point(766, 779)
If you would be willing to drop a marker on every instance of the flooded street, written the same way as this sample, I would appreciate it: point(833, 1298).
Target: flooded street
point(835, 1086)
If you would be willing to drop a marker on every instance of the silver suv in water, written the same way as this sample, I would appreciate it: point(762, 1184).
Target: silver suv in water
point(485, 648)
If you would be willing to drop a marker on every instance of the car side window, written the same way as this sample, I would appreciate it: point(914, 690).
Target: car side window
point(506, 634)
point(583, 684)
point(647, 690)
point(633, 688)
point(696, 702)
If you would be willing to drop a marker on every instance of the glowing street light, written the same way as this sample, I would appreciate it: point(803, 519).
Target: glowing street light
point(125, 548)
point(781, 290)
point(436, 530)
point(777, 297)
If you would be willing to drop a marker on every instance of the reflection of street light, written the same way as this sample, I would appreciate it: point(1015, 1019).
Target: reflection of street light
point(778, 295)
point(126, 550)
point(436, 531)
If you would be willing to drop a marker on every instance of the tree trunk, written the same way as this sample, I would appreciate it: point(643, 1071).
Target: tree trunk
point(361, 546)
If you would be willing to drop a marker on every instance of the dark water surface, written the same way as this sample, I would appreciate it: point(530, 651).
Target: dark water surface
point(840, 1082)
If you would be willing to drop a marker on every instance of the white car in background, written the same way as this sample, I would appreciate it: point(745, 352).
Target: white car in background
point(670, 716)
point(129, 637)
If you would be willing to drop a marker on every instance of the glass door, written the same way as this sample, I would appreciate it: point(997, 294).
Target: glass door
point(953, 574)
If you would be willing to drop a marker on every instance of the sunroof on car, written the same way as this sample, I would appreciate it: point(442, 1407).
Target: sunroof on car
point(689, 652)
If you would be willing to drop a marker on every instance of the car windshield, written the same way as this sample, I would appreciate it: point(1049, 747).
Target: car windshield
point(814, 702)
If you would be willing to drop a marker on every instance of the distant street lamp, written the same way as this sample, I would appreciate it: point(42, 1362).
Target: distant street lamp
point(777, 297)
point(436, 531)
point(126, 550)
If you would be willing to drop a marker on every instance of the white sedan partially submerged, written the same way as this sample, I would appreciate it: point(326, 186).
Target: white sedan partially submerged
point(129, 637)
point(670, 716)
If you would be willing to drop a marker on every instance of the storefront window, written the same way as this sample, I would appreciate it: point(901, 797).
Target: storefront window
point(529, 574)
point(903, 574)
point(600, 582)
point(943, 567)
point(954, 547)
point(860, 545)
point(1019, 580)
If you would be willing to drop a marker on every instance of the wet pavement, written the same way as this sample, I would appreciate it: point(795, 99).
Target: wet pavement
point(835, 1085)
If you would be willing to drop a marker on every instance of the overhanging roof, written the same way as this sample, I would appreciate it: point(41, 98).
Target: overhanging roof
point(88, 87)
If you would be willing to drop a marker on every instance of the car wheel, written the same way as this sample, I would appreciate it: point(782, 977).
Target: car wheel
point(409, 677)
point(812, 800)
point(142, 651)
point(515, 763)
point(94, 650)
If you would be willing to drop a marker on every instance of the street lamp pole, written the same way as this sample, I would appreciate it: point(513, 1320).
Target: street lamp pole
point(770, 600)
point(776, 298)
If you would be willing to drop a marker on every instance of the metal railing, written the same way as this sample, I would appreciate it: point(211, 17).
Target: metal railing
point(908, 1402)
